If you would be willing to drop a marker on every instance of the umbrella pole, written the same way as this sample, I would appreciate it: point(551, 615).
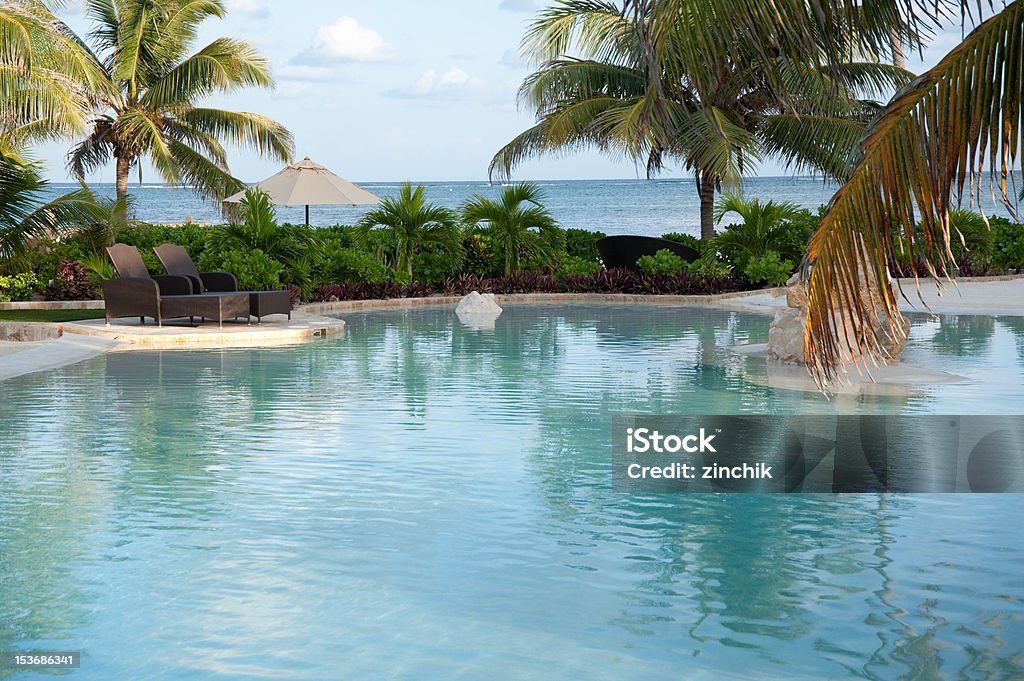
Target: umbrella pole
point(307, 215)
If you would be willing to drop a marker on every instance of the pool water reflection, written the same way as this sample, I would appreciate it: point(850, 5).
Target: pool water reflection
point(420, 500)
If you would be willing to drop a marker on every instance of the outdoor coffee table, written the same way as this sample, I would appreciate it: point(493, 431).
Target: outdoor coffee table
point(216, 306)
point(262, 303)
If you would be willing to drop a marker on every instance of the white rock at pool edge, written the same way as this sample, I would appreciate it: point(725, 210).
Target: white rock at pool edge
point(478, 311)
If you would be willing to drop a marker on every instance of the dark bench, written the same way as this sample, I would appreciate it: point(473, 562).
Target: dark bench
point(624, 251)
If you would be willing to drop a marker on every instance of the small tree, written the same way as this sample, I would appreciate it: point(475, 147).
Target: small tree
point(516, 229)
point(412, 224)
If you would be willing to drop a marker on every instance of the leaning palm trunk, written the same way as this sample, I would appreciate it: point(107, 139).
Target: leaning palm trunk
point(932, 141)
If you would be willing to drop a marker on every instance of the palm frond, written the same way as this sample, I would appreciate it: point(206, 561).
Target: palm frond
point(204, 176)
point(242, 129)
point(932, 141)
point(815, 144)
point(223, 66)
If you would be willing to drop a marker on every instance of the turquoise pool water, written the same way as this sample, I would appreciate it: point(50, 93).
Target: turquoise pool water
point(422, 501)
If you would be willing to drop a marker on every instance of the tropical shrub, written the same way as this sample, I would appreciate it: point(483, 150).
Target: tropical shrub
point(18, 286)
point(353, 264)
point(765, 228)
point(768, 269)
point(99, 267)
point(1008, 245)
point(708, 266)
point(519, 227)
point(478, 254)
point(294, 249)
point(434, 265)
point(663, 263)
point(255, 270)
point(572, 265)
point(409, 225)
point(686, 240)
point(581, 243)
point(71, 282)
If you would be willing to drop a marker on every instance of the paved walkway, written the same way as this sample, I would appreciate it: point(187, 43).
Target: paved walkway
point(992, 297)
point(51, 354)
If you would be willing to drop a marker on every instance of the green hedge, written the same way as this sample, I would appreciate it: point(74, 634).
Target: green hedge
point(310, 258)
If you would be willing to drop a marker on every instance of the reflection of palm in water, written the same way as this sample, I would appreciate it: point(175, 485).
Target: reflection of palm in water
point(963, 335)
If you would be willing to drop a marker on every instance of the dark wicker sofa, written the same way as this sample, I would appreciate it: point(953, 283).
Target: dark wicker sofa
point(176, 260)
point(136, 293)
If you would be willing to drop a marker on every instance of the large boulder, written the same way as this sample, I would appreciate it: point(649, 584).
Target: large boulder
point(786, 336)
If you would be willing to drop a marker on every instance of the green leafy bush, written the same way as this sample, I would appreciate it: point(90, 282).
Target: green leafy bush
point(580, 243)
point(256, 271)
point(709, 266)
point(768, 269)
point(19, 286)
point(478, 255)
point(685, 239)
point(354, 264)
point(575, 266)
point(434, 265)
point(664, 263)
point(1007, 245)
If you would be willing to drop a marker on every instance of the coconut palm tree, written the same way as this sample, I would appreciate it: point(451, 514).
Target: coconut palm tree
point(516, 229)
point(412, 224)
point(616, 82)
point(48, 77)
point(145, 47)
point(26, 215)
point(947, 136)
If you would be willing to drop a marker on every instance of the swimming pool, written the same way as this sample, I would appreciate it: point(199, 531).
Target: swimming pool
point(420, 500)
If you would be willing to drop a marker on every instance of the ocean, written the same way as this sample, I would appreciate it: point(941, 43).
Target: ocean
point(644, 207)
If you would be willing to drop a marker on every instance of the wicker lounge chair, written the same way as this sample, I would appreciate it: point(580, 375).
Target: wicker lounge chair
point(138, 294)
point(176, 260)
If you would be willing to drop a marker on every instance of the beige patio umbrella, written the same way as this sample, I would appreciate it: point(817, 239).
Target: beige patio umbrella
point(310, 184)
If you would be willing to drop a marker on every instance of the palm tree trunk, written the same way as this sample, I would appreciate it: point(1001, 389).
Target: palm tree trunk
point(899, 58)
point(123, 166)
point(706, 190)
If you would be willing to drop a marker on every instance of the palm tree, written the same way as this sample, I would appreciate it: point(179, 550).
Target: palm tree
point(514, 229)
point(936, 141)
point(295, 248)
point(717, 113)
point(25, 215)
point(412, 223)
point(145, 48)
point(763, 229)
point(47, 75)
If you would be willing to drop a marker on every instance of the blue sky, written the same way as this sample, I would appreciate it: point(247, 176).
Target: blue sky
point(391, 90)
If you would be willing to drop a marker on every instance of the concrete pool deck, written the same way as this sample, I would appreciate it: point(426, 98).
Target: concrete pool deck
point(979, 296)
point(81, 340)
point(78, 341)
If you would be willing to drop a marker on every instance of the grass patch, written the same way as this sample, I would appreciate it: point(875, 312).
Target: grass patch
point(49, 315)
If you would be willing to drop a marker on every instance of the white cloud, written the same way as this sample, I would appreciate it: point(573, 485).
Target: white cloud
point(518, 5)
point(455, 82)
point(346, 40)
point(252, 8)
